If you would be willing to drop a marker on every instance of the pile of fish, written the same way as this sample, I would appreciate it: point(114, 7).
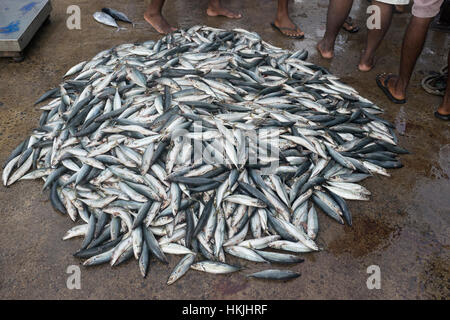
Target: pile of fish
point(205, 143)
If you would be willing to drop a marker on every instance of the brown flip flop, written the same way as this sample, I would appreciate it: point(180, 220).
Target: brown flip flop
point(445, 117)
point(384, 87)
point(288, 29)
point(353, 28)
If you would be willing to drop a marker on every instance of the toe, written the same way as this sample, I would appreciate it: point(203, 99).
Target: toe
point(232, 15)
point(382, 77)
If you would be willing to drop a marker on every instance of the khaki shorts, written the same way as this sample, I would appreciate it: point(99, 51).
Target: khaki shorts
point(396, 2)
point(426, 8)
point(420, 8)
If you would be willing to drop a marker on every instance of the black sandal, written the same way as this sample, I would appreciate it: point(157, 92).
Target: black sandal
point(289, 29)
point(383, 86)
point(445, 117)
point(352, 29)
point(438, 25)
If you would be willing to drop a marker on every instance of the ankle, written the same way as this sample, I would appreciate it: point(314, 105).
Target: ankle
point(445, 106)
point(214, 4)
point(280, 17)
point(400, 87)
point(364, 60)
point(326, 43)
point(152, 13)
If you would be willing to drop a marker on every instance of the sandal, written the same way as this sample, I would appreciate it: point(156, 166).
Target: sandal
point(445, 117)
point(436, 82)
point(352, 28)
point(437, 25)
point(288, 29)
point(384, 87)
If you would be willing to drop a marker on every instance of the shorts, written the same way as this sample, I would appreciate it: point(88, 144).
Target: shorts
point(426, 8)
point(420, 8)
point(395, 2)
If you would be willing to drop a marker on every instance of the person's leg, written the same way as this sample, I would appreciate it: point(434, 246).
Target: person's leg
point(153, 16)
point(375, 36)
point(444, 108)
point(338, 11)
point(399, 9)
point(215, 8)
point(413, 42)
point(284, 22)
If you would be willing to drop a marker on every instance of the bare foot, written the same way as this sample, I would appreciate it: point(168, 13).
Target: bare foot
point(444, 109)
point(287, 27)
point(158, 22)
point(215, 9)
point(365, 67)
point(366, 64)
point(392, 86)
point(326, 54)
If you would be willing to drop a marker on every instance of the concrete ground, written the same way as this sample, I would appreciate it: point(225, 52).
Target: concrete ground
point(404, 229)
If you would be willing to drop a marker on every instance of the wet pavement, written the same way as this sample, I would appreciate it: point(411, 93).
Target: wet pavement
point(404, 229)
